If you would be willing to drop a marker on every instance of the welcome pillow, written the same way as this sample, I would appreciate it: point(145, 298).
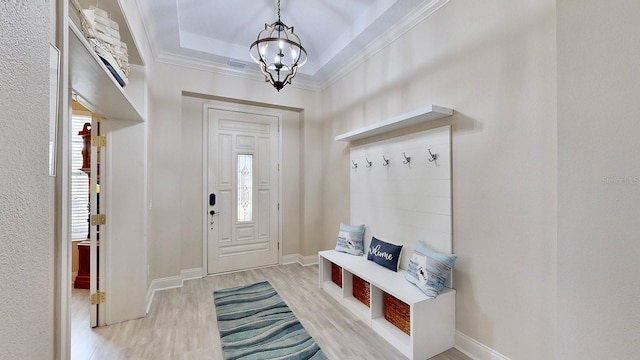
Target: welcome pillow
point(384, 253)
point(351, 239)
point(429, 270)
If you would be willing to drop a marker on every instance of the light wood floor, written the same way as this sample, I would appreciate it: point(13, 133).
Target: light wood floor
point(181, 323)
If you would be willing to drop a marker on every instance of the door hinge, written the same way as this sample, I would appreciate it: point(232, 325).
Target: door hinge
point(98, 141)
point(98, 298)
point(278, 167)
point(99, 219)
point(278, 206)
point(278, 246)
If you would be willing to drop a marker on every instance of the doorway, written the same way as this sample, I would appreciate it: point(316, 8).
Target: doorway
point(87, 203)
point(241, 190)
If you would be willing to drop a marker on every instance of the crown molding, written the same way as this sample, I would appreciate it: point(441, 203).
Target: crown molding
point(406, 24)
point(146, 24)
point(249, 74)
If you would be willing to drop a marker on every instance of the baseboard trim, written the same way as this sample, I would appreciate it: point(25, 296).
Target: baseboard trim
point(475, 349)
point(289, 259)
point(297, 258)
point(171, 282)
point(309, 260)
point(190, 274)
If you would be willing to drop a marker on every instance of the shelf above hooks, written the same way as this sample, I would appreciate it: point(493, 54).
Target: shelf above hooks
point(429, 113)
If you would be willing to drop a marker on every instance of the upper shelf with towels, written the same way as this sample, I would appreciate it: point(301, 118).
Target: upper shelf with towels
point(429, 113)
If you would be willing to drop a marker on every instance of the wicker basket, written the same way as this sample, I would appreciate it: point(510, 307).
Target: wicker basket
point(397, 313)
point(361, 291)
point(336, 274)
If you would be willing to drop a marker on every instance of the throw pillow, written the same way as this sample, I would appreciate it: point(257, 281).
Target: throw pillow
point(384, 253)
point(428, 269)
point(351, 239)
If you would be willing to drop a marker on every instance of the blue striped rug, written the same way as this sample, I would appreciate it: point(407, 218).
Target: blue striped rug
point(255, 323)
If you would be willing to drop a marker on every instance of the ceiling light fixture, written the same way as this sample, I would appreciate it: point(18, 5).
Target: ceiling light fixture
point(279, 53)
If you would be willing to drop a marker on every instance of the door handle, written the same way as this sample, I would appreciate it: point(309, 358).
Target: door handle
point(212, 213)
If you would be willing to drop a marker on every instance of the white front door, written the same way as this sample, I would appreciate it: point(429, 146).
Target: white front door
point(242, 190)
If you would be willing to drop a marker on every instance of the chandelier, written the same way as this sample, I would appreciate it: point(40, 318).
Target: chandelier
point(279, 53)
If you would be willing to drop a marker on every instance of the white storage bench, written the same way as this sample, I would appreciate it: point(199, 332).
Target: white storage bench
point(432, 321)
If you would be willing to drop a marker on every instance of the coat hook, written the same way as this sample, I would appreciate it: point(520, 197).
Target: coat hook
point(369, 163)
point(385, 161)
point(434, 157)
point(407, 159)
point(355, 165)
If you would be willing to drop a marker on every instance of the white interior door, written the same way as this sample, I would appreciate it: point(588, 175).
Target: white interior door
point(93, 229)
point(242, 190)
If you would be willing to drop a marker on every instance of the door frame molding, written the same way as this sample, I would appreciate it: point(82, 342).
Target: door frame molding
point(205, 163)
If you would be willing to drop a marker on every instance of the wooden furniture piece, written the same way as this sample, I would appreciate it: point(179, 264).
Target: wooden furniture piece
point(82, 280)
point(432, 321)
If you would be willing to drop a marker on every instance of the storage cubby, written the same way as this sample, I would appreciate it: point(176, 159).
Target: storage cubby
point(361, 290)
point(431, 321)
point(397, 312)
point(336, 275)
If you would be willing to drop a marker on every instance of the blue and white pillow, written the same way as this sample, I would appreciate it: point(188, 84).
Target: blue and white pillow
point(429, 270)
point(351, 239)
point(384, 253)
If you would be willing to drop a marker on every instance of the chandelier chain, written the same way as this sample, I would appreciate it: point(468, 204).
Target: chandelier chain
point(279, 52)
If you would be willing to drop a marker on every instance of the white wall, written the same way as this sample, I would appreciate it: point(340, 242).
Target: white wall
point(493, 62)
point(173, 248)
point(26, 268)
point(598, 180)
